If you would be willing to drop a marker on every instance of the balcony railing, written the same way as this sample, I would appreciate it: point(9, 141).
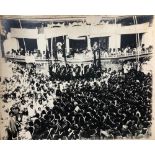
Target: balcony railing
point(81, 56)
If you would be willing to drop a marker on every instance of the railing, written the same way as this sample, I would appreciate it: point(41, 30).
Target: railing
point(14, 56)
point(125, 54)
point(83, 56)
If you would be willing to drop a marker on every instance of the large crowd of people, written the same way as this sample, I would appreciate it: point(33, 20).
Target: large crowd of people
point(74, 71)
point(108, 105)
point(59, 52)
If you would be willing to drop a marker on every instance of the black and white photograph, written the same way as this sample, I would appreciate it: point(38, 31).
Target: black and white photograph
point(76, 77)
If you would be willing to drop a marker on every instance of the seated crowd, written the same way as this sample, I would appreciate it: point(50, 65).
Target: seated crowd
point(107, 106)
point(127, 51)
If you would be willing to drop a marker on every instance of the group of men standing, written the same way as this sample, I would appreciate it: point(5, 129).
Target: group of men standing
point(72, 71)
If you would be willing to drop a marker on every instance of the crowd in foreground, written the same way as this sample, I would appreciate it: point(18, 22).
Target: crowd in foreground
point(112, 105)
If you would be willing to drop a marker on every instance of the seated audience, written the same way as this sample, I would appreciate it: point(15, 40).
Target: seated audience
point(77, 102)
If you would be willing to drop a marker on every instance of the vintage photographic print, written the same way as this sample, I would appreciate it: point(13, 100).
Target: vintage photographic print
point(76, 77)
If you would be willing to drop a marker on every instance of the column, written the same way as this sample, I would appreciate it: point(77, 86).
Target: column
point(47, 47)
point(115, 41)
point(10, 43)
point(67, 46)
point(148, 37)
point(88, 43)
point(41, 43)
point(51, 48)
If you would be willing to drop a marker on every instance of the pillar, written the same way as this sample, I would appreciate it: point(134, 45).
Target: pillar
point(148, 38)
point(67, 46)
point(42, 43)
point(115, 41)
point(88, 43)
point(52, 48)
point(10, 43)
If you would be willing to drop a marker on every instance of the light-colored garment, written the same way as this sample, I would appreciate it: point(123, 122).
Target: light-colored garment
point(25, 135)
point(12, 125)
point(31, 112)
point(105, 55)
point(24, 119)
